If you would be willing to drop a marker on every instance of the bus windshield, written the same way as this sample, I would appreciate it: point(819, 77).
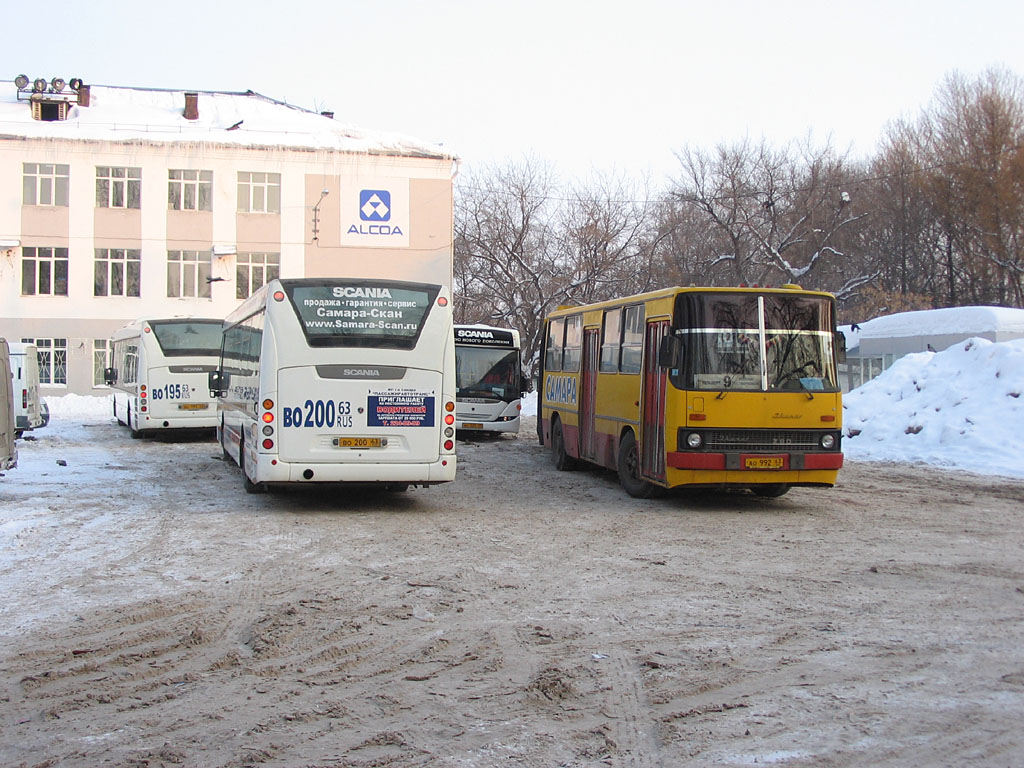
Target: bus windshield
point(756, 342)
point(361, 313)
point(185, 338)
point(487, 372)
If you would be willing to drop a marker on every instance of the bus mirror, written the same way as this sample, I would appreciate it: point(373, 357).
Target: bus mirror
point(669, 352)
point(218, 383)
point(110, 376)
point(840, 344)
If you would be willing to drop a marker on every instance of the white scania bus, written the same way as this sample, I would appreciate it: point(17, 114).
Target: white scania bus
point(488, 376)
point(339, 380)
point(159, 372)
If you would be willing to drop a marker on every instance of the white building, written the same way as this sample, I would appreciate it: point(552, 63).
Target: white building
point(118, 203)
point(875, 345)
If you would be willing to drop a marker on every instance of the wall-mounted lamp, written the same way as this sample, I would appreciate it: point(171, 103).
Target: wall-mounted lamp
point(316, 215)
point(220, 251)
point(6, 245)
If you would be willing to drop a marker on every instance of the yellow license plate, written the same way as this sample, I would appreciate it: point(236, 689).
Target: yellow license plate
point(193, 406)
point(472, 425)
point(765, 462)
point(358, 442)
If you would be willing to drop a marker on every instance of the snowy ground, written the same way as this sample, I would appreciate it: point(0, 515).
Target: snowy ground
point(153, 614)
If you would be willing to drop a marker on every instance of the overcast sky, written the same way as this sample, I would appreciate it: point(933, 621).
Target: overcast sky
point(584, 85)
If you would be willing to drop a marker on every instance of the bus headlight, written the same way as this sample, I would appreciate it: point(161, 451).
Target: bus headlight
point(828, 441)
point(694, 440)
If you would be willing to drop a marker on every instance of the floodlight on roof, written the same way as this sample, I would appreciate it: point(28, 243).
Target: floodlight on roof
point(57, 84)
point(75, 83)
point(21, 81)
point(39, 85)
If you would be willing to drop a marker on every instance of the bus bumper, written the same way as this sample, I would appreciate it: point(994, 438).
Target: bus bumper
point(744, 469)
point(192, 421)
point(273, 470)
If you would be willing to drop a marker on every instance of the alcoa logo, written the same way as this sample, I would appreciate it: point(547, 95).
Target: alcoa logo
point(375, 207)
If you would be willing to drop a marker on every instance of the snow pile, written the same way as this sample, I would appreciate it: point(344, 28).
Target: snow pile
point(80, 408)
point(961, 408)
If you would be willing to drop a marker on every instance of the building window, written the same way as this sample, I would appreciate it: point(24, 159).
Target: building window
point(190, 190)
point(53, 360)
point(117, 272)
point(188, 274)
point(44, 271)
point(45, 184)
point(118, 187)
point(253, 271)
point(101, 349)
point(259, 192)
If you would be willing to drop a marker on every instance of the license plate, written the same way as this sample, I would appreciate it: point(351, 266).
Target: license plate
point(764, 462)
point(193, 406)
point(472, 425)
point(359, 442)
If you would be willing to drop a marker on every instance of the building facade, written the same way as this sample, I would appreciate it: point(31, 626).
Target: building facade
point(133, 203)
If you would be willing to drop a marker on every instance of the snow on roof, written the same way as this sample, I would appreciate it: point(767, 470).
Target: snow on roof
point(942, 322)
point(122, 114)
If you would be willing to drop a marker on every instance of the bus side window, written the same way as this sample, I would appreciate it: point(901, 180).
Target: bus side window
point(611, 343)
point(573, 343)
point(131, 364)
point(632, 339)
point(553, 356)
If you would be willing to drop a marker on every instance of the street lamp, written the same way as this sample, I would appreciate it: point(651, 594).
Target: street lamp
point(316, 215)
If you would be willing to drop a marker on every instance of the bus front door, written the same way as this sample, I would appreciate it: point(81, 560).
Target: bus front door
point(652, 447)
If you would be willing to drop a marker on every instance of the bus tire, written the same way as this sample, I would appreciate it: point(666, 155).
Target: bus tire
point(249, 485)
point(629, 469)
point(770, 490)
point(563, 461)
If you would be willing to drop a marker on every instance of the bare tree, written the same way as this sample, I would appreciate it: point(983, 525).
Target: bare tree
point(779, 214)
point(505, 273)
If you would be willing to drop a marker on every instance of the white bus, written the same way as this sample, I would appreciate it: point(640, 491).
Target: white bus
point(488, 378)
point(159, 372)
point(28, 405)
point(8, 451)
point(339, 380)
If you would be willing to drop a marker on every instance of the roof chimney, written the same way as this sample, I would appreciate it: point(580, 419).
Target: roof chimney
point(191, 106)
point(83, 95)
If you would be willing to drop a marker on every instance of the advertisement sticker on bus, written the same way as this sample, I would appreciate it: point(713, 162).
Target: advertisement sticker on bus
point(560, 389)
point(400, 408)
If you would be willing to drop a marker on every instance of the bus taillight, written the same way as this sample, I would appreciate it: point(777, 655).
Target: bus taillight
point(449, 419)
point(268, 417)
point(448, 445)
point(268, 444)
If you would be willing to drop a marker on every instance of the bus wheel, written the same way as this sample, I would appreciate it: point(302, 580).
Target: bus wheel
point(629, 470)
point(770, 490)
point(562, 460)
point(249, 485)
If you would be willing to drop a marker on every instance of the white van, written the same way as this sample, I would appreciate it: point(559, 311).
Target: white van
point(8, 453)
point(28, 405)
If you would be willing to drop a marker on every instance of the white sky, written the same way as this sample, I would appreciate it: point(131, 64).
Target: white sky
point(584, 85)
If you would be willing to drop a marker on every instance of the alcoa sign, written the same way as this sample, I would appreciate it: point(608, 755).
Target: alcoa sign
point(375, 213)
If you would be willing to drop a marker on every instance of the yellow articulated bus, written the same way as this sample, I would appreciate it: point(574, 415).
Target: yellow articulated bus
point(697, 387)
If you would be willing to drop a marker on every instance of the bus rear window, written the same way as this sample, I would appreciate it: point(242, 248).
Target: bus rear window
point(349, 313)
point(184, 338)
